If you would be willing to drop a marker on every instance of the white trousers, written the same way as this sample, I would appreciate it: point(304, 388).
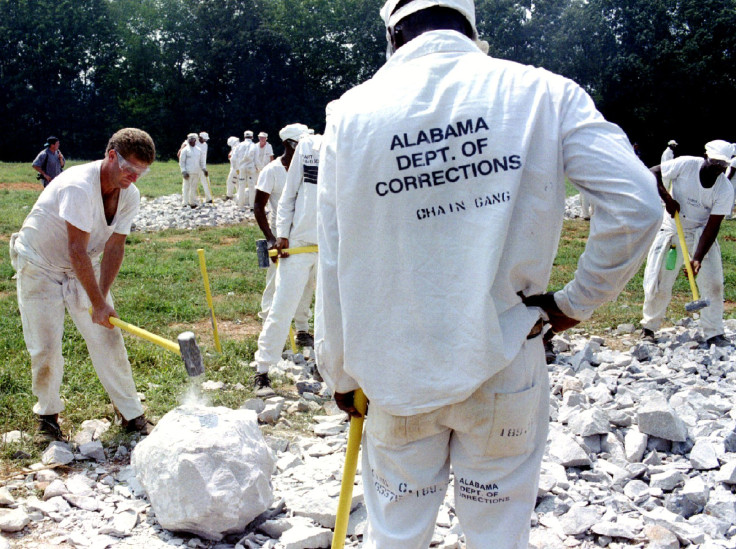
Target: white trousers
point(247, 181)
point(658, 282)
point(42, 297)
point(585, 206)
point(231, 183)
point(189, 188)
point(293, 275)
point(494, 441)
point(302, 314)
point(204, 180)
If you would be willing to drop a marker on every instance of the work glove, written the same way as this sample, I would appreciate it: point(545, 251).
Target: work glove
point(558, 320)
point(345, 402)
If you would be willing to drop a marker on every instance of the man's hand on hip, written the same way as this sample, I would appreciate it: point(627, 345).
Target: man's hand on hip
point(558, 320)
point(346, 403)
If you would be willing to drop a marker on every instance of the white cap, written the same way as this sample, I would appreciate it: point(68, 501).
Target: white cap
point(263, 134)
point(204, 135)
point(248, 133)
point(232, 141)
point(672, 142)
point(191, 136)
point(292, 131)
point(465, 7)
point(719, 150)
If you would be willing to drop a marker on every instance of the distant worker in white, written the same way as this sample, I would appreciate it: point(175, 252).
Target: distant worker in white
point(441, 201)
point(703, 196)
point(191, 163)
point(231, 183)
point(67, 255)
point(247, 170)
point(204, 176)
point(669, 152)
point(296, 226)
point(264, 152)
point(270, 185)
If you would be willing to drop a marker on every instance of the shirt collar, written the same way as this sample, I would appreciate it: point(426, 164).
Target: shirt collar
point(437, 41)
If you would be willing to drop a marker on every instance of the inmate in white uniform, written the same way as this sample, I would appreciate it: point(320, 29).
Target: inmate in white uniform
point(272, 181)
point(47, 284)
point(440, 197)
point(203, 147)
point(247, 173)
point(667, 155)
point(263, 155)
point(231, 184)
point(697, 204)
point(296, 219)
point(191, 161)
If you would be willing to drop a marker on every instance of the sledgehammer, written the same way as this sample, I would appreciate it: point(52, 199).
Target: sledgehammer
point(187, 347)
point(696, 304)
point(263, 252)
point(348, 472)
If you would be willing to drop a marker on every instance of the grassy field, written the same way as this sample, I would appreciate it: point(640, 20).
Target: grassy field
point(160, 288)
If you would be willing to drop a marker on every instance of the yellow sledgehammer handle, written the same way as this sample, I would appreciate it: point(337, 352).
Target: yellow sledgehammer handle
point(686, 257)
point(291, 251)
point(140, 332)
point(206, 279)
point(348, 473)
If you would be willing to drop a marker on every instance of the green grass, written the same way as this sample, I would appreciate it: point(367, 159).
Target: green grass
point(160, 288)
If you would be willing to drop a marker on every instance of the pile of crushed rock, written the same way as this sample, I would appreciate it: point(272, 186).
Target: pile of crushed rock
point(641, 453)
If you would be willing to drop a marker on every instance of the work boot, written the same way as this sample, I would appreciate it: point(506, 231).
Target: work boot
point(647, 335)
point(138, 425)
point(719, 341)
point(262, 385)
point(304, 339)
point(48, 430)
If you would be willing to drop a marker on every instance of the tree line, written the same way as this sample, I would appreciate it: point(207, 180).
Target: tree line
point(80, 69)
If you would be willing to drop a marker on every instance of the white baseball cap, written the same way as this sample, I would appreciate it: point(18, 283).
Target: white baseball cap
point(292, 131)
point(247, 133)
point(719, 150)
point(263, 134)
point(232, 140)
point(672, 142)
point(204, 135)
point(192, 136)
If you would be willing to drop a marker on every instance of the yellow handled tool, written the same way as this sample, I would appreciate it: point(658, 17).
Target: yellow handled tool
point(263, 253)
point(696, 304)
point(186, 347)
point(203, 268)
point(348, 473)
point(292, 340)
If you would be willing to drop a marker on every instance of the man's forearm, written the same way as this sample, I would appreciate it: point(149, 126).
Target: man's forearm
point(82, 265)
point(111, 262)
point(710, 233)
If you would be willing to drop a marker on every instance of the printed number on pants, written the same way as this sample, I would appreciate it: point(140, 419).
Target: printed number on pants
point(514, 423)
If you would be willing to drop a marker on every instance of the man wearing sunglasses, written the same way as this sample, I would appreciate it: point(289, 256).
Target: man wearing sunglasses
point(67, 255)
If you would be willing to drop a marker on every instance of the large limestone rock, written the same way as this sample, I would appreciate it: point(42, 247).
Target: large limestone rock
point(206, 470)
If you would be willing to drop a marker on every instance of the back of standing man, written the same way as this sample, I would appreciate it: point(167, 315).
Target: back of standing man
point(441, 197)
point(49, 162)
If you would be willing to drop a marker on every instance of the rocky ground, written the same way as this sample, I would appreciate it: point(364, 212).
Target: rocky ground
point(641, 453)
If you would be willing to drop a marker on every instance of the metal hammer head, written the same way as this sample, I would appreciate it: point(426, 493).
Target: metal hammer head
point(697, 305)
point(190, 354)
point(262, 253)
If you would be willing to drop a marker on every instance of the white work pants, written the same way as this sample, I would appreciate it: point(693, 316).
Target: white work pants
point(293, 275)
point(203, 179)
point(231, 183)
point(658, 282)
point(585, 206)
point(189, 188)
point(494, 441)
point(42, 297)
point(302, 314)
point(247, 181)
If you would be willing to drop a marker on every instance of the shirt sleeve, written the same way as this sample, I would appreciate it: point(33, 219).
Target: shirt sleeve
point(723, 199)
point(672, 168)
point(265, 181)
point(38, 162)
point(600, 162)
point(287, 202)
point(329, 340)
point(183, 160)
point(75, 207)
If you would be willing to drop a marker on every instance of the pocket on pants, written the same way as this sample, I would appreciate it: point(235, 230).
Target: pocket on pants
point(514, 423)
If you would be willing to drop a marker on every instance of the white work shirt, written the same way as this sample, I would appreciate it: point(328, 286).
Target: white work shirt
point(667, 155)
point(191, 159)
point(442, 195)
point(263, 155)
point(297, 215)
point(204, 147)
point(75, 197)
point(272, 181)
point(246, 155)
point(697, 204)
point(233, 156)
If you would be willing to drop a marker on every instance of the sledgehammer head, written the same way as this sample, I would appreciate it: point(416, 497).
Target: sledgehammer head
point(697, 305)
point(190, 354)
point(262, 253)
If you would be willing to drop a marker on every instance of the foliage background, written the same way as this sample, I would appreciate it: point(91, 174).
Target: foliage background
point(81, 69)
